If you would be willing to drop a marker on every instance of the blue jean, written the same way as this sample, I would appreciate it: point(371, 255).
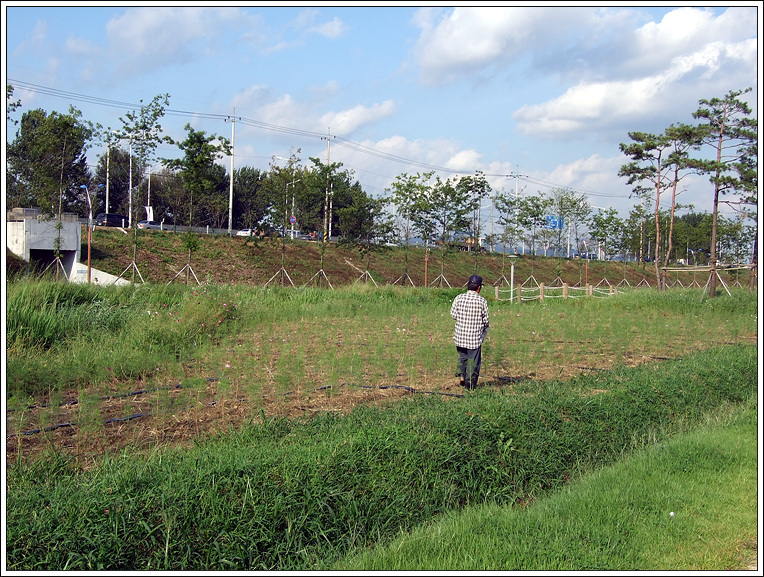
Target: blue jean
point(468, 366)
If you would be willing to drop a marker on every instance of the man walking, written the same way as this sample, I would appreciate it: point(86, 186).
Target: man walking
point(470, 311)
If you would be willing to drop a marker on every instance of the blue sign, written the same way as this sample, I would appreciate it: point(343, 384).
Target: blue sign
point(292, 219)
point(555, 222)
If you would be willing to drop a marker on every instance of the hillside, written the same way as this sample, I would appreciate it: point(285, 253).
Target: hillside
point(160, 257)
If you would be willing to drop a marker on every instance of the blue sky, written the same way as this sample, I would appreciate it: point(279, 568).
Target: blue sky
point(547, 93)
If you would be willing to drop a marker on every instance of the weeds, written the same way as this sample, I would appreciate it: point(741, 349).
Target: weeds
point(301, 493)
point(292, 495)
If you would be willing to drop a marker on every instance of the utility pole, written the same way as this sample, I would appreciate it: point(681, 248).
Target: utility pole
point(230, 188)
point(492, 243)
point(517, 211)
point(331, 206)
point(328, 180)
point(515, 233)
point(108, 148)
point(130, 187)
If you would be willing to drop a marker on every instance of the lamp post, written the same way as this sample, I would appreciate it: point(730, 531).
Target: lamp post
point(287, 196)
point(108, 153)
point(90, 223)
point(121, 136)
point(149, 209)
point(130, 187)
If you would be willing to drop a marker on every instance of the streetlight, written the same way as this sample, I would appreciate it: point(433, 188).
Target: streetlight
point(291, 219)
point(121, 136)
point(286, 197)
point(90, 223)
point(149, 209)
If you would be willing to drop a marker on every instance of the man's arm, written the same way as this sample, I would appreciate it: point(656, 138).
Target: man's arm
point(454, 307)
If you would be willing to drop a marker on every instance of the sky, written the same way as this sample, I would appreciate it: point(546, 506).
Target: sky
point(534, 97)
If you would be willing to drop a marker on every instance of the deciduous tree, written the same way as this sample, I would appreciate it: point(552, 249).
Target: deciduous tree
point(47, 162)
point(143, 132)
point(205, 181)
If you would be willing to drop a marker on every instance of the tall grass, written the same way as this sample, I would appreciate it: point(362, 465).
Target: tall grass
point(67, 335)
point(686, 504)
point(64, 336)
point(302, 494)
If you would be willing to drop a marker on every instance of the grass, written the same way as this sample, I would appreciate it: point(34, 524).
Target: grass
point(686, 504)
point(295, 495)
point(61, 335)
point(576, 387)
point(160, 255)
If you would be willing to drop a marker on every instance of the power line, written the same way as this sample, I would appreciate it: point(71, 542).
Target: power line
point(540, 182)
point(70, 95)
point(355, 146)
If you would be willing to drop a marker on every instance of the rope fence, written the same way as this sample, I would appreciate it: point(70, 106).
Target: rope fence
point(539, 291)
point(532, 290)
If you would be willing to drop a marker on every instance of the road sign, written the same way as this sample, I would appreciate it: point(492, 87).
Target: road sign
point(292, 219)
point(555, 222)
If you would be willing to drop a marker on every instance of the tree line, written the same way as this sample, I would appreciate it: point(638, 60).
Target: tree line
point(48, 168)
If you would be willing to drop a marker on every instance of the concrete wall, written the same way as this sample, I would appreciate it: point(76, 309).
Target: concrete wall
point(79, 274)
point(29, 234)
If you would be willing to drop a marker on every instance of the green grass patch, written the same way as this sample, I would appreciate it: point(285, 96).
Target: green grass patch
point(687, 503)
point(304, 494)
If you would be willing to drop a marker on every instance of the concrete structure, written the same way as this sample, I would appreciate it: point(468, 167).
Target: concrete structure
point(33, 238)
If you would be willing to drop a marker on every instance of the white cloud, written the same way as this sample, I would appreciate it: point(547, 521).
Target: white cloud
point(683, 32)
point(308, 21)
point(147, 39)
point(582, 108)
point(249, 98)
point(327, 90)
point(257, 101)
point(284, 111)
point(79, 47)
point(34, 40)
point(464, 160)
point(305, 24)
point(348, 121)
point(687, 28)
point(657, 71)
point(466, 42)
point(466, 37)
point(332, 29)
point(671, 91)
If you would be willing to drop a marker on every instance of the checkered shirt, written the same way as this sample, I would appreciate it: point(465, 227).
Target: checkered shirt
point(470, 311)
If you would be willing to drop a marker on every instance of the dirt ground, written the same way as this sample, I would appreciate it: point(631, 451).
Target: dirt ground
point(88, 426)
point(148, 419)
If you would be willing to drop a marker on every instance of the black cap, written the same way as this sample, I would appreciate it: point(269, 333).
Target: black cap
point(474, 282)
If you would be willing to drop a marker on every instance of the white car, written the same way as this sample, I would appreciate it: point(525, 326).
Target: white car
point(152, 224)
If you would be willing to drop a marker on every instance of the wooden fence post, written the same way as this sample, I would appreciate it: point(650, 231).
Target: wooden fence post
point(541, 292)
point(564, 290)
point(519, 300)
